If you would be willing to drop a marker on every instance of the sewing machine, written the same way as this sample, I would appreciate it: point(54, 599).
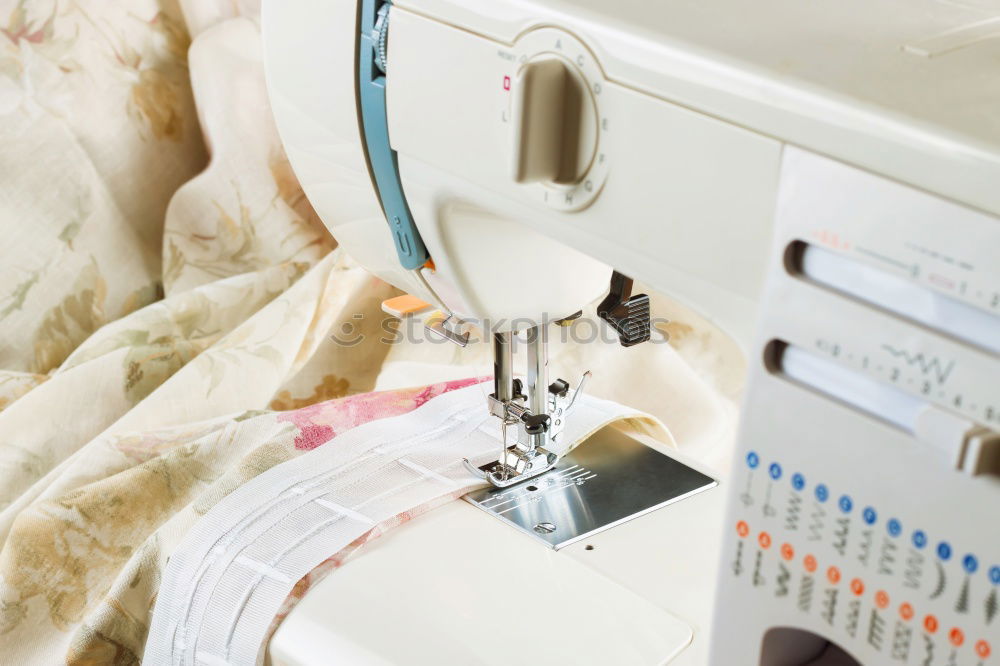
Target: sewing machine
point(819, 180)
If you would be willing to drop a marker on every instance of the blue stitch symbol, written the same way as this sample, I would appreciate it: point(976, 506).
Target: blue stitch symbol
point(970, 563)
point(775, 471)
point(869, 515)
point(944, 550)
point(919, 539)
point(753, 460)
point(822, 492)
point(894, 527)
point(798, 481)
point(995, 575)
point(845, 504)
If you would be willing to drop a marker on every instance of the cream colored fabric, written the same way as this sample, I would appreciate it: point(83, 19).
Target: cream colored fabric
point(167, 308)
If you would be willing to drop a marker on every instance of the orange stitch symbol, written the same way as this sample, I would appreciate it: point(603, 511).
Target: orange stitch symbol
point(833, 575)
point(906, 611)
point(857, 587)
point(742, 528)
point(956, 637)
point(809, 562)
point(983, 649)
point(765, 540)
point(930, 624)
point(881, 599)
point(787, 551)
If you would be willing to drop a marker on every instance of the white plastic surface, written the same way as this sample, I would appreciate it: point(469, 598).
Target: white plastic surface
point(309, 56)
point(435, 581)
point(894, 293)
point(834, 77)
point(685, 208)
point(449, 592)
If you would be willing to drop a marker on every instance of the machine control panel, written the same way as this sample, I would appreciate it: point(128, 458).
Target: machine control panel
point(860, 520)
point(871, 574)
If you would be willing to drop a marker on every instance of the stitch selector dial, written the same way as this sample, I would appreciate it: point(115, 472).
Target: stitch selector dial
point(556, 124)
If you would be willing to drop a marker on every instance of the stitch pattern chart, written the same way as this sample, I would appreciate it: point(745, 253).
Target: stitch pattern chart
point(876, 630)
point(806, 588)
point(865, 553)
point(781, 581)
point(793, 511)
point(942, 581)
point(934, 367)
point(840, 535)
point(758, 578)
point(867, 576)
point(738, 562)
point(962, 605)
point(816, 522)
point(901, 636)
point(928, 650)
point(914, 569)
point(887, 560)
point(853, 617)
point(829, 604)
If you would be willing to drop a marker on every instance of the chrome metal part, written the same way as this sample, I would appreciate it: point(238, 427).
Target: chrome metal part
point(607, 480)
point(503, 367)
point(516, 466)
point(538, 417)
point(538, 369)
point(450, 328)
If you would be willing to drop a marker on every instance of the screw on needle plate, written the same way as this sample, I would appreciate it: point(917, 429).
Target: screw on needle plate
point(544, 528)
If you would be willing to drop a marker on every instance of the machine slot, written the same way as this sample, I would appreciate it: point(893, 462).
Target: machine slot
point(852, 388)
point(895, 294)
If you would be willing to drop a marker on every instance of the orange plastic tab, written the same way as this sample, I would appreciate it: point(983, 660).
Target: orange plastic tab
point(403, 306)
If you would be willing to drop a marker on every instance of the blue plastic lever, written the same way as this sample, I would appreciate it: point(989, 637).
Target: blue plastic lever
point(381, 157)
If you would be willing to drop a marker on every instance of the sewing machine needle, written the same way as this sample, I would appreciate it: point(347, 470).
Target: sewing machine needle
point(503, 449)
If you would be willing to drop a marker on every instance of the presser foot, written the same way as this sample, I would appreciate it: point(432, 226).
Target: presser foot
point(516, 468)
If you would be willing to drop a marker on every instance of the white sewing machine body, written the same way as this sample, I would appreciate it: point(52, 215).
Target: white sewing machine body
point(821, 181)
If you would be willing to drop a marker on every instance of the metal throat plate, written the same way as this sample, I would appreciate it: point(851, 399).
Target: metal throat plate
point(607, 480)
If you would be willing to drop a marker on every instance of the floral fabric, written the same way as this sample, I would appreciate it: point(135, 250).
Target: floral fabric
point(165, 286)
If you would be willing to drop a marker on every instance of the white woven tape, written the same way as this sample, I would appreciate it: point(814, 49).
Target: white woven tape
point(229, 577)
